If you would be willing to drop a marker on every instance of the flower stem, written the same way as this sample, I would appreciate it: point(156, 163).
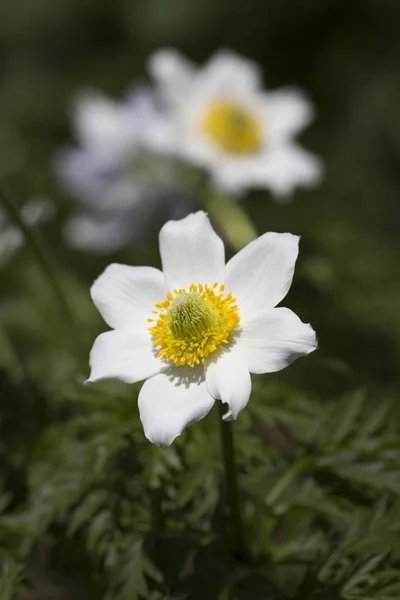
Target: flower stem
point(44, 261)
point(232, 493)
point(231, 219)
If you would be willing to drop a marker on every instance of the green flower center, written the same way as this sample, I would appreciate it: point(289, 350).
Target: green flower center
point(189, 316)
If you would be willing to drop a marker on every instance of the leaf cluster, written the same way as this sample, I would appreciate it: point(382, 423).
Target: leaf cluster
point(319, 485)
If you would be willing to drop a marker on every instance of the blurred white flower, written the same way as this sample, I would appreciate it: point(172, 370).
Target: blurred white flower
point(36, 211)
point(220, 119)
point(198, 329)
point(106, 174)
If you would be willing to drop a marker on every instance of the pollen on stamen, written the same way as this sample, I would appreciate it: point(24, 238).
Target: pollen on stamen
point(232, 127)
point(193, 324)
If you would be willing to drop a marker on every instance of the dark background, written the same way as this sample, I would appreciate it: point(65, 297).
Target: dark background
point(346, 55)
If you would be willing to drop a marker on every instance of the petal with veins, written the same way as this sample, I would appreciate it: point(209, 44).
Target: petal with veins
point(171, 401)
point(191, 252)
point(125, 296)
point(260, 275)
point(123, 355)
point(273, 339)
point(228, 379)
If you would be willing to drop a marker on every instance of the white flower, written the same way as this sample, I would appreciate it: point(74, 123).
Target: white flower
point(103, 171)
point(221, 119)
point(198, 329)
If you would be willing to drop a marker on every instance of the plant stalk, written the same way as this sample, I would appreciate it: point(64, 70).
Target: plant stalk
point(232, 492)
point(231, 220)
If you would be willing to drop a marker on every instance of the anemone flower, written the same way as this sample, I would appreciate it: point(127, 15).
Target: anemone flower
point(196, 330)
point(221, 119)
point(107, 171)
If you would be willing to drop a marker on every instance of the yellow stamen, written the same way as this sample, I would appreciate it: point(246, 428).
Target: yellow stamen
point(232, 127)
point(192, 324)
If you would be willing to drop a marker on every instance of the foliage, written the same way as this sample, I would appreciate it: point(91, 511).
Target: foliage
point(320, 489)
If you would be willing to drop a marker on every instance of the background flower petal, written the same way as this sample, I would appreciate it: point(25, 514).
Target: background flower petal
point(171, 401)
point(191, 252)
point(173, 74)
point(273, 340)
point(123, 355)
point(228, 379)
point(125, 296)
point(286, 167)
point(227, 71)
point(102, 125)
point(97, 233)
point(280, 169)
point(287, 111)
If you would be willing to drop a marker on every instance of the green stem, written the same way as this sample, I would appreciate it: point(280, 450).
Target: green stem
point(46, 264)
point(228, 453)
point(231, 219)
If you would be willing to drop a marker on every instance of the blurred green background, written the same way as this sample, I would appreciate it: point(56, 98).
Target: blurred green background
point(346, 56)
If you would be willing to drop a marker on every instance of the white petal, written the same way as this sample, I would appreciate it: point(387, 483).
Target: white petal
point(273, 340)
point(260, 275)
point(143, 104)
point(228, 72)
point(83, 173)
point(155, 131)
point(171, 401)
point(191, 252)
point(173, 73)
point(100, 183)
point(125, 296)
point(287, 111)
point(286, 167)
point(123, 355)
point(161, 137)
point(228, 379)
point(280, 168)
point(102, 125)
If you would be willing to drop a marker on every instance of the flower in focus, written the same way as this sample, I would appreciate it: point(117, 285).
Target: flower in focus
point(35, 212)
point(107, 171)
point(220, 119)
point(196, 330)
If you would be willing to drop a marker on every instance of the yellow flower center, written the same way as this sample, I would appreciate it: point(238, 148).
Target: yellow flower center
point(192, 324)
point(232, 127)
